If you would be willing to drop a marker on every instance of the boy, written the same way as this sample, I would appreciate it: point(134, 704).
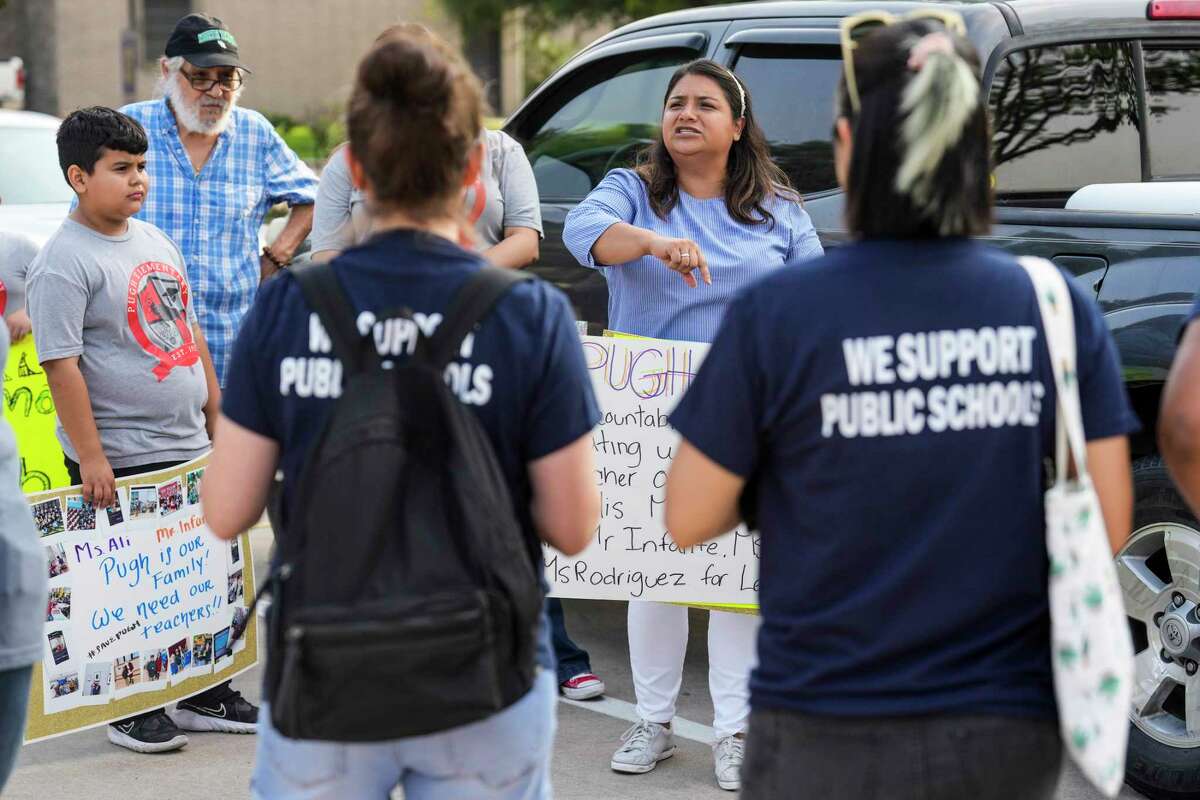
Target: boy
point(128, 368)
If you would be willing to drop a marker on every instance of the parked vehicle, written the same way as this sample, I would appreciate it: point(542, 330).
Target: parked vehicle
point(12, 83)
point(1081, 94)
point(34, 198)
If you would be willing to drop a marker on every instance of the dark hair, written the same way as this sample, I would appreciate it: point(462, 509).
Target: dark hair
point(415, 114)
point(85, 133)
point(751, 177)
point(921, 162)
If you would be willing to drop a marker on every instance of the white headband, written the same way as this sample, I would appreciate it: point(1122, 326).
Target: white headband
point(741, 93)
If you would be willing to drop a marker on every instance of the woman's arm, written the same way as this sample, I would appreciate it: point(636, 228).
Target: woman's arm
point(566, 502)
point(1108, 464)
point(518, 248)
point(623, 242)
point(702, 497)
point(1179, 420)
point(238, 478)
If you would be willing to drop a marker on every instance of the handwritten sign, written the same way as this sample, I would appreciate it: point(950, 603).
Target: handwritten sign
point(632, 556)
point(143, 600)
point(29, 408)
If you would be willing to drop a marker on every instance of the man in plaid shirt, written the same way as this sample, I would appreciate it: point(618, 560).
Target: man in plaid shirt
point(216, 169)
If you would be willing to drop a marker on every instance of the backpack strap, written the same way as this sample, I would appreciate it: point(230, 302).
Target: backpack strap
point(469, 306)
point(324, 294)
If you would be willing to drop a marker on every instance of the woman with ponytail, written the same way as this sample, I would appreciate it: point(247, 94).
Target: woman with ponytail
point(894, 403)
point(414, 121)
point(705, 214)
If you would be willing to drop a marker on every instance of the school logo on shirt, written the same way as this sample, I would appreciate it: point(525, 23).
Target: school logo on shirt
point(157, 310)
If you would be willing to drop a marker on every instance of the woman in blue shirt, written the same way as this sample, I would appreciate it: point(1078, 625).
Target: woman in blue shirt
point(897, 445)
point(706, 213)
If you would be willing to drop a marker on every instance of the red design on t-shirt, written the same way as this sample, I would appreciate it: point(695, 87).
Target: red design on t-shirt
point(156, 307)
point(480, 201)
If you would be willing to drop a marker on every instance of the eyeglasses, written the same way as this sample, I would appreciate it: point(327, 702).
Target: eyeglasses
point(230, 82)
point(856, 27)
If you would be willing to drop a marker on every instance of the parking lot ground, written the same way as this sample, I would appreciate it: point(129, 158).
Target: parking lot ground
point(86, 765)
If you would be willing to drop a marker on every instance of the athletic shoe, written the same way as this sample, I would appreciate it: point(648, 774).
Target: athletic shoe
point(227, 712)
point(147, 733)
point(645, 744)
point(728, 754)
point(583, 686)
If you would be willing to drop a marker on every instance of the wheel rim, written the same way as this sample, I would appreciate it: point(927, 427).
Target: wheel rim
point(1159, 571)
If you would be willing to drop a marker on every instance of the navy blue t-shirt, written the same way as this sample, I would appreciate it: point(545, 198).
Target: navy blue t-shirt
point(522, 371)
point(894, 400)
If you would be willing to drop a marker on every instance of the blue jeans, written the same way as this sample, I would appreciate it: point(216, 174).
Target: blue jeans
point(572, 659)
point(14, 702)
point(504, 757)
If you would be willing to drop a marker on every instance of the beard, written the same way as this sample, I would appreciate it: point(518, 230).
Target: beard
point(188, 112)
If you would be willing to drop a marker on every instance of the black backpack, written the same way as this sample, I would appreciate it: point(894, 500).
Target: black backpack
point(406, 600)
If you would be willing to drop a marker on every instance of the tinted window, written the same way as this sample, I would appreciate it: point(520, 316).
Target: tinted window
point(29, 171)
point(1173, 97)
point(792, 89)
point(597, 120)
point(1063, 117)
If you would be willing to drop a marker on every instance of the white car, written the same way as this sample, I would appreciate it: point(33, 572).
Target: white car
point(34, 196)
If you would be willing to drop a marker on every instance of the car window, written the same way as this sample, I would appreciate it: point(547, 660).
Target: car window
point(1173, 102)
point(596, 120)
point(29, 171)
point(792, 88)
point(1063, 117)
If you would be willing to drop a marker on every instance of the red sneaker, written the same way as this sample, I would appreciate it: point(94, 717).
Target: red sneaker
point(583, 686)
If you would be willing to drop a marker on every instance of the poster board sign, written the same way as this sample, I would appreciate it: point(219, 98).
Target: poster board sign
point(29, 409)
point(638, 382)
point(143, 599)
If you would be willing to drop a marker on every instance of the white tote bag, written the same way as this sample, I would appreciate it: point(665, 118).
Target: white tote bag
point(1091, 649)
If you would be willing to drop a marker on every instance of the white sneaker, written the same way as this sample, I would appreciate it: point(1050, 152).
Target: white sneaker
point(728, 754)
point(645, 744)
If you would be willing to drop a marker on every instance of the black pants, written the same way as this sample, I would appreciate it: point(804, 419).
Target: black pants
point(792, 755)
point(125, 472)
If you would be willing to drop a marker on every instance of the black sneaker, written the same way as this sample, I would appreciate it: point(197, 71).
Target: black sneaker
point(223, 710)
point(147, 733)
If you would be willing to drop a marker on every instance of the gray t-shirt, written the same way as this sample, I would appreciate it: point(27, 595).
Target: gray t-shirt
point(123, 305)
point(23, 564)
point(509, 199)
point(17, 252)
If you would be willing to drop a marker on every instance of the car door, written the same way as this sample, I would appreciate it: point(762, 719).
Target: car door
point(593, 116)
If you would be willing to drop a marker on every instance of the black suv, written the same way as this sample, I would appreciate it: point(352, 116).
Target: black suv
point(1082, 92)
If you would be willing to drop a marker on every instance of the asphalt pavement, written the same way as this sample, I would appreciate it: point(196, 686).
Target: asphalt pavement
point(86, 765)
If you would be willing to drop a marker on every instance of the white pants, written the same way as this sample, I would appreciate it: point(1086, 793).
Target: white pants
point(658, 635)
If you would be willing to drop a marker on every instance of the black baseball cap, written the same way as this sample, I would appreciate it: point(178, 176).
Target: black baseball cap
point(204, 41)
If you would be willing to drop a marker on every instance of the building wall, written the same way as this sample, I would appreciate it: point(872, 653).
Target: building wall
point(87, 52)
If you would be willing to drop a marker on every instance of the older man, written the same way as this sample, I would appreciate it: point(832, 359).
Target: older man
point(215, 170)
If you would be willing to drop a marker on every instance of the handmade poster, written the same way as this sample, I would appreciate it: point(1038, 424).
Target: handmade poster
point(632, 556)
point(29, 408)
point(143, 601)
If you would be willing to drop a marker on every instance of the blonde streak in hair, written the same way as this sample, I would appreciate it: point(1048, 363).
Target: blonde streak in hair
point(937, 103)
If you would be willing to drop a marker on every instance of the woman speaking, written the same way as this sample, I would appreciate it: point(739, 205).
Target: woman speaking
point(704, 214)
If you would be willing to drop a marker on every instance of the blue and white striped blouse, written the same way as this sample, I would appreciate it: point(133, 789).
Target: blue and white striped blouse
point(646, 298)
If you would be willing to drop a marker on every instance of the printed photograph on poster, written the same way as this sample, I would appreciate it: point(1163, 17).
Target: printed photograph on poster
point(235, 552)
point(97, 679)
point(58, 604)
point(170, 497)
point(115, 517)
point(154, 664)
point(180, 656)
point(202, 649)
point(56, 558)
point(236, 587)
point(48, 517)
point(81, 515)
point(193, 486)
point(143, 502)
point(58, 647)
point(221, 647)
point(128, 670)
point(239, 621)
point(64, 683)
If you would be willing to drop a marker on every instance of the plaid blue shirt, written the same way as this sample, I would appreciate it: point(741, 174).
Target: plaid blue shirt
point(214, 216)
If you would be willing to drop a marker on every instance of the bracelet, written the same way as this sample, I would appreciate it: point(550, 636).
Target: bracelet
point(266, 251)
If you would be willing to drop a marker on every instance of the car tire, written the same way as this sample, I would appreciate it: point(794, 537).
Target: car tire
point(1158, 770)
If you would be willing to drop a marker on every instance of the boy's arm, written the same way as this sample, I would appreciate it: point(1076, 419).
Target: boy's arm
point(212, 409)
point(74, 407)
